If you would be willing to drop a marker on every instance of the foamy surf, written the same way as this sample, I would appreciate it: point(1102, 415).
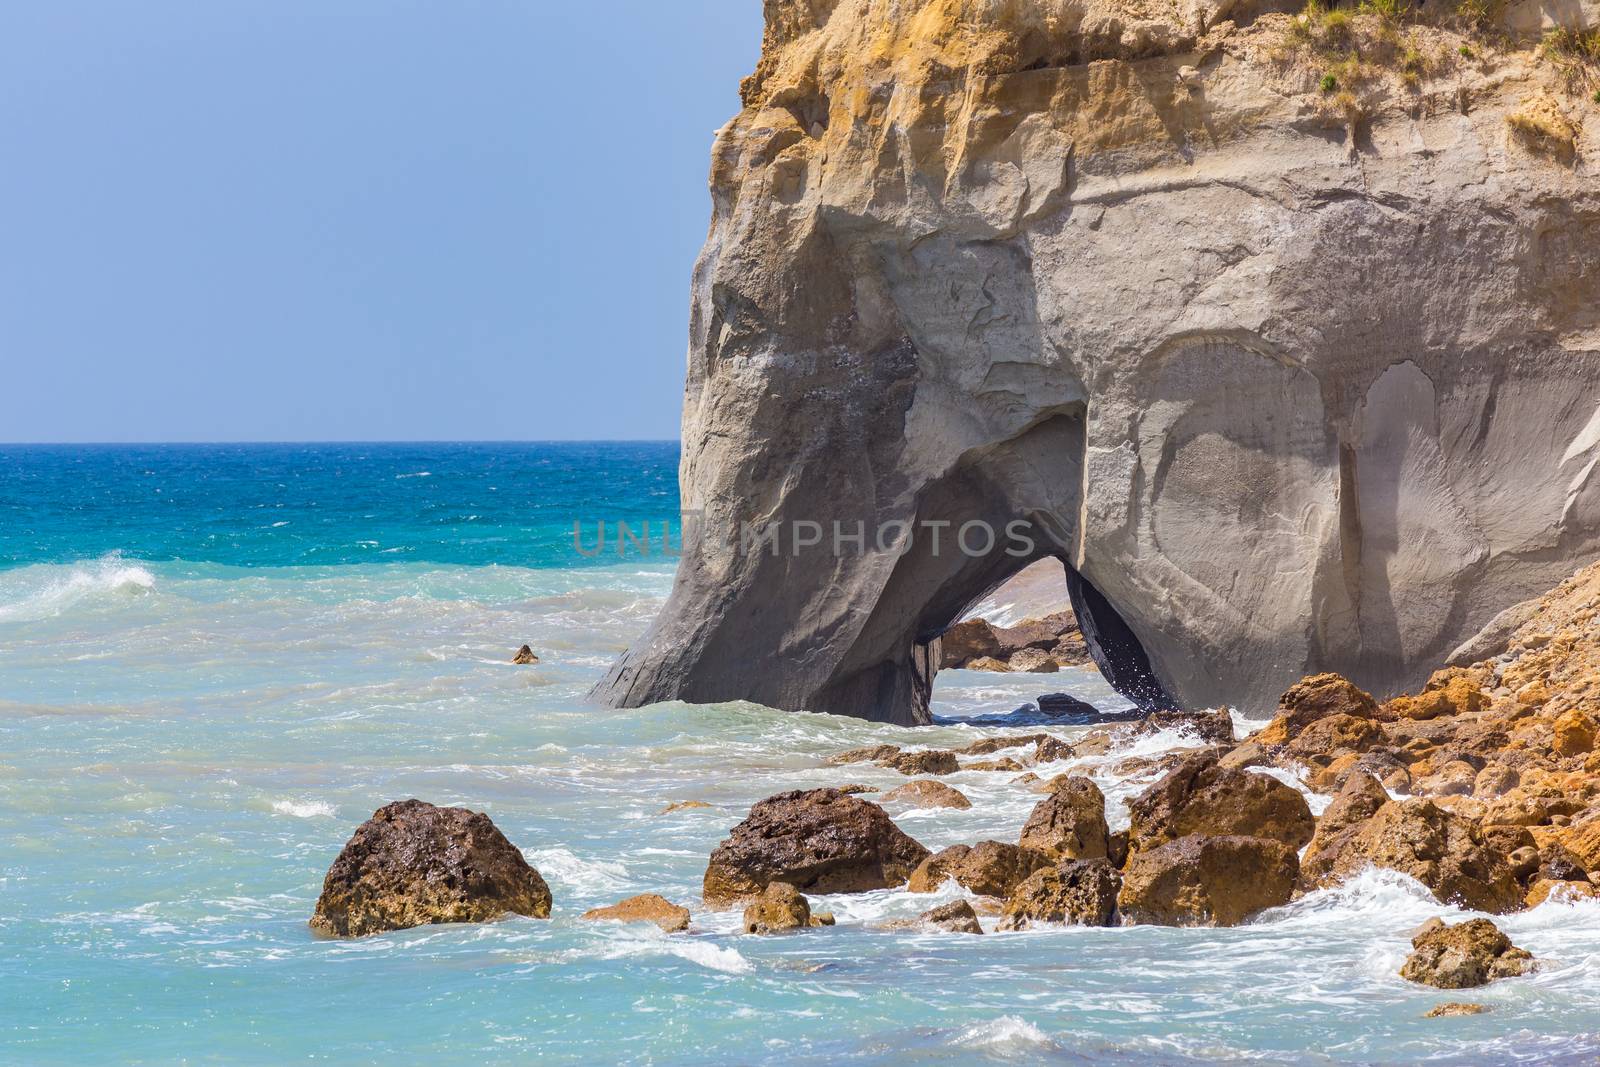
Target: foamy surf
point(46, 590)
point(1009, 1035)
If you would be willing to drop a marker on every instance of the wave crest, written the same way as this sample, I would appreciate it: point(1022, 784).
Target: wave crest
point(46, 590)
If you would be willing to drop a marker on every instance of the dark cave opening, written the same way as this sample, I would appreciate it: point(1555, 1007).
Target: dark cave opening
point(1115, 648)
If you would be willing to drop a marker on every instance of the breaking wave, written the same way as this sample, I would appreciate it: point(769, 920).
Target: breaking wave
point(46, 590)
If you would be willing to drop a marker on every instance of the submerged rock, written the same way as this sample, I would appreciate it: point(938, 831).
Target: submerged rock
point(413, 863)
point(1467, 954)
point(1201, 797)
point(868, 754)
point(927, 794)
point(1070, 821)
point(818, 840)
point(1453, 1007)
point(524, 656)
point(684, 805)
point(1207, 881)
point(1007, 764)
point(928, 761)
point(956, 917)
point(1077, 892)
point(646, 907)
point(989, 868)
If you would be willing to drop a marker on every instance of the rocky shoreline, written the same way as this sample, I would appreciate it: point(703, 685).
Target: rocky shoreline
point(1484, 786)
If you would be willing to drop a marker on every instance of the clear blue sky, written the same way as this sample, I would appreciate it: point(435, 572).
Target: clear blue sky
point(355, 219)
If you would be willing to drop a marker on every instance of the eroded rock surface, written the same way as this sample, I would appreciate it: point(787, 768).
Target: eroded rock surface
point(1207, 881)
point(1070, 821)
point(413, 863)
point(1077, 892)
point(989, 868)
point(1093, 267)
point(1201, 797)
point(1467, 954)
point(818, 840)
point(646, 907)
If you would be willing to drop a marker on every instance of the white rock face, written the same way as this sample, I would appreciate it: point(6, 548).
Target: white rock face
point(1289, 383)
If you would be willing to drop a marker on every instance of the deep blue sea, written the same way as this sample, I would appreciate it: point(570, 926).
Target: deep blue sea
point(310, 504)
point(216, 661)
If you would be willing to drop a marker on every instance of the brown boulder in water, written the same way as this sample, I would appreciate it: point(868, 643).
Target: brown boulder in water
point(646, 907)
point(524, 656)
point(956, 917)
point(1467, 954)
point(924, 793)
point(1079, 892)
point(412, 864)
point(818, 840)
point(1201, 797)
point(989, 868)
point(1207, 881)
point(1443, 851)
point(1070, 821)
point(928, 761)
point(778, 909)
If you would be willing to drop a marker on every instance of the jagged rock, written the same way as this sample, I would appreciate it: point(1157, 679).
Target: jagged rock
point(646, 907)
point(968, 640)
point(1441, 1011)
point(524, 656)
point(990, 745)
point(1333, 736)
point(1209, 727)
point(1050, 749)
point(1200, 797)
point(1207, 881)
point(1033, 661)
point(780, 908)
point(413, 863)
point(989, 868)
point(929, 761)
point(1080, 892)
point(1417, 837)
point(1033, 645)
point(1070, 821)
point(855, 789)
point(1454, 778)
point(926, 794)
point(1117, 848)
point(817, 840)
point(1467, 954)
point(956, 917)
point(1007, 764)
point(1561, 889)
point(1359, 798)
point(1574, 732)
point(869, 754)
point(1312, 699)
point(951, 279)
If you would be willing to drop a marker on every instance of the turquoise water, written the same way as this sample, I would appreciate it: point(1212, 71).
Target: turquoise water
point(197, 708)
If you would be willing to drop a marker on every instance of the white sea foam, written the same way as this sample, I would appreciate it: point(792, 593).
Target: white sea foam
point(48, 590)
point(564, 866)
point(1009, 1034)
point(304, 809)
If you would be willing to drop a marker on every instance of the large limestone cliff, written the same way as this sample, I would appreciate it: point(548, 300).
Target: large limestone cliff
point(1282, 332)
